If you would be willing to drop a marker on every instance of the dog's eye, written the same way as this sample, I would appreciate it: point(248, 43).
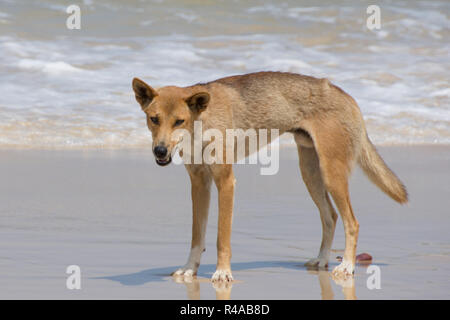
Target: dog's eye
point(155, 120)
point(178, 122)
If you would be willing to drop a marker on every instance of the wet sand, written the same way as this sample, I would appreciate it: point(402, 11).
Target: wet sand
point(126, 223)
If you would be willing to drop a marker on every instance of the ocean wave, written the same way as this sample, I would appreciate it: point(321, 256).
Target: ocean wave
point(73, 90)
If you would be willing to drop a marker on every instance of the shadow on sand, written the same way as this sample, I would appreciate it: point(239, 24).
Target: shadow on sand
point(205, 271)
point(223, 290)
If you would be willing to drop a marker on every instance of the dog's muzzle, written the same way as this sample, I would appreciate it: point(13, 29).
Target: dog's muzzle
point(163, 158)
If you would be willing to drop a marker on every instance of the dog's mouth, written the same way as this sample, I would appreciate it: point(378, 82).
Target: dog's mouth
point(164, 162)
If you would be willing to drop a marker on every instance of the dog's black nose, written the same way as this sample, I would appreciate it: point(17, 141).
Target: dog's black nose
point(160, 151)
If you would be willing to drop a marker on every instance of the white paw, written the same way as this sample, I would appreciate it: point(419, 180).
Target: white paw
point(186, 272)
point(344, 270)
point(222, 275)
point(317, 263)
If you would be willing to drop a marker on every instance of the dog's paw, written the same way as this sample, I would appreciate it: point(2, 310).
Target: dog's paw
point(317, 263)
point(222, 275)
point(184, 272)
point(344, 270)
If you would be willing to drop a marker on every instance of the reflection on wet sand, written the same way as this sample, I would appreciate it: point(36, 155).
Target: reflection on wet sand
point(326, 290)
point(223, 290)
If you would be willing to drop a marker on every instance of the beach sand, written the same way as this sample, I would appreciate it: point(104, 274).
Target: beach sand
point(127, 224)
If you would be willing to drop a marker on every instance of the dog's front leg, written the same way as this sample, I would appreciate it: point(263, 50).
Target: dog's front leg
point(200, 193)
point(224, 180)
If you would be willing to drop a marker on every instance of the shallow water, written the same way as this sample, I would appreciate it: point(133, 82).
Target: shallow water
point(71, 88)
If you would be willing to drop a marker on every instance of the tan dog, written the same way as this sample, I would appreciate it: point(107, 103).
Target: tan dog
point(329, 131)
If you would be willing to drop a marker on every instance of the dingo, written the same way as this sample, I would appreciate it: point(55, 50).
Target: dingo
point(327, 126)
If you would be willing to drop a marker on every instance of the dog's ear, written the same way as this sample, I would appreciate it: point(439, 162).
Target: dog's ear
point(144, 93)
point(198, 102)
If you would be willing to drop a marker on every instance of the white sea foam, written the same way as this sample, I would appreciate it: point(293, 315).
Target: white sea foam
point(55, 67)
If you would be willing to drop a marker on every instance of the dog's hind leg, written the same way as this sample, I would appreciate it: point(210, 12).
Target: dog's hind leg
point(309, 166)
point(336, 149)
point(200, 192)
point(336, 181)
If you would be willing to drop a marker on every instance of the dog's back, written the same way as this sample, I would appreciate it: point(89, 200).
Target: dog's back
point(279, 99)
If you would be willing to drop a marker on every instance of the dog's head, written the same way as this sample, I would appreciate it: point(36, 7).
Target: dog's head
point(168, 109)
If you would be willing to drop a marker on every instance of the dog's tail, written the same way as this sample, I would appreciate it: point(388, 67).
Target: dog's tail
point(379, 173)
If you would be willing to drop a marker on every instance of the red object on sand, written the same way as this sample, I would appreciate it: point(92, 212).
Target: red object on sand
point(364, 258)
